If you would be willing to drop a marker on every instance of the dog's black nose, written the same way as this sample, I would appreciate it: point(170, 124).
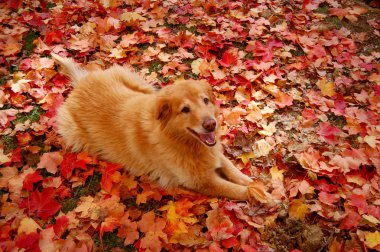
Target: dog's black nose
point(209, 124)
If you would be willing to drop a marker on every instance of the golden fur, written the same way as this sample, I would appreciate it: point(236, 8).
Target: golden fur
point(117, 115)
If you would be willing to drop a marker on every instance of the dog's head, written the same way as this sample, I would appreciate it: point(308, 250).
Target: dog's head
point(186, 110)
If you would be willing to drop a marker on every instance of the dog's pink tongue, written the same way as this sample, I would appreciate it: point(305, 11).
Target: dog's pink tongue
point(208, 138)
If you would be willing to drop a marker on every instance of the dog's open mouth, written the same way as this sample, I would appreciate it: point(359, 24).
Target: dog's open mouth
point(206, 138)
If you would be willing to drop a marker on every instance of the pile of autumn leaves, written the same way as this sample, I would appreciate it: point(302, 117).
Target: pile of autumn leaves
point(261, 59)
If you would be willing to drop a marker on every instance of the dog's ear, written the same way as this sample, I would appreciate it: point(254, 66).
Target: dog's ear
point(164, 110)
point(208, 89)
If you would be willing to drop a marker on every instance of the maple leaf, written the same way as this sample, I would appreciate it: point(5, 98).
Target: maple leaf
point(28, 242)
point(153, 229)
point(109, 175)
point(298, 209)
point(328, 132)
point(327, 88)
point(258, 192)
point(128, 229)
point(46, 242)
point(27, 226)
point(372, 240)
point(282, 100)
point(228, 59)
point(351, 220)
point(358, 201)
point(109, 224)
point(69, 163)
point(61, 225)
point(6, 174)
point(30, 179)
point(42, 203)
point(328, 198)
point(50, 161)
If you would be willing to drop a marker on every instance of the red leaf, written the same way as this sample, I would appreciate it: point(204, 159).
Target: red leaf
point(53, 36)
point(328, 198)
point(60, 80)
point(43, 203)
point(305, 2)
point(228, 59)
point(309, 114)
point(16, 155)
point(328, 132)
point(107, 172)
point(69, 163)
point(283, 99)
point(28, 242)
point(61, 225)
point(351, 220)
point(25, 64)
point(230, 242)
point(30, 179)
point(108, 225)
point(358, 201)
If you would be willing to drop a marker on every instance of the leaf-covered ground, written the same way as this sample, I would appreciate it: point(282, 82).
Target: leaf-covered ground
point(298, 83)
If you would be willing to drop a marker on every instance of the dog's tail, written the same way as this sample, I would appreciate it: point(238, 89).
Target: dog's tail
point(70, 68)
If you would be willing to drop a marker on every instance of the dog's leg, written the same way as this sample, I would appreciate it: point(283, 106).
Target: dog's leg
point(217, 186)
point(232, 173)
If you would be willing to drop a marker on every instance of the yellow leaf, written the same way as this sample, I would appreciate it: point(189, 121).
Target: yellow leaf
point(371, 141)
point(371, 219)
point(327, 88)
point(27, 226)
point(276, 173)
point(298, 210)
point(372, 240)
point(131, 16)
point(268, 130)
point(245, 157)
point(312, 175)
point(258, 191)
point(261, 148)
point(195, 66)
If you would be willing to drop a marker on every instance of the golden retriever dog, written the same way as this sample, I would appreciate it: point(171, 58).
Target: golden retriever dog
point(169, 135)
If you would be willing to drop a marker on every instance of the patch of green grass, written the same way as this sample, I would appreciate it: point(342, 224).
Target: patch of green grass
point(322, 9)
point(9, 143)
point(110, 241)
point(175, 27)
point(248, 56)
point(191, 75)
point(335, 21)
point(163, 79)
point(79, 191)
point(240, 45)
point(69, 204)
point(155, 66)
point(194, 30)
point(28, 41)
point(151, 205)
point(3, 80)
point(50, 5)
point(143, 46)
point(93, 184)
point(33, 116)
point(298, 52)
point(14, 68)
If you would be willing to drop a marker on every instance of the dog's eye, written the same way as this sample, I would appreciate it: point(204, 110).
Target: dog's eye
point(185, 110)
point(206, 100)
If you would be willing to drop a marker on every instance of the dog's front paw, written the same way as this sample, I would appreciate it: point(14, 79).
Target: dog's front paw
point(243, 180)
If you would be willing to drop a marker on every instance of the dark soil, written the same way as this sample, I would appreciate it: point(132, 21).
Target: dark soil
point(293, 234)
